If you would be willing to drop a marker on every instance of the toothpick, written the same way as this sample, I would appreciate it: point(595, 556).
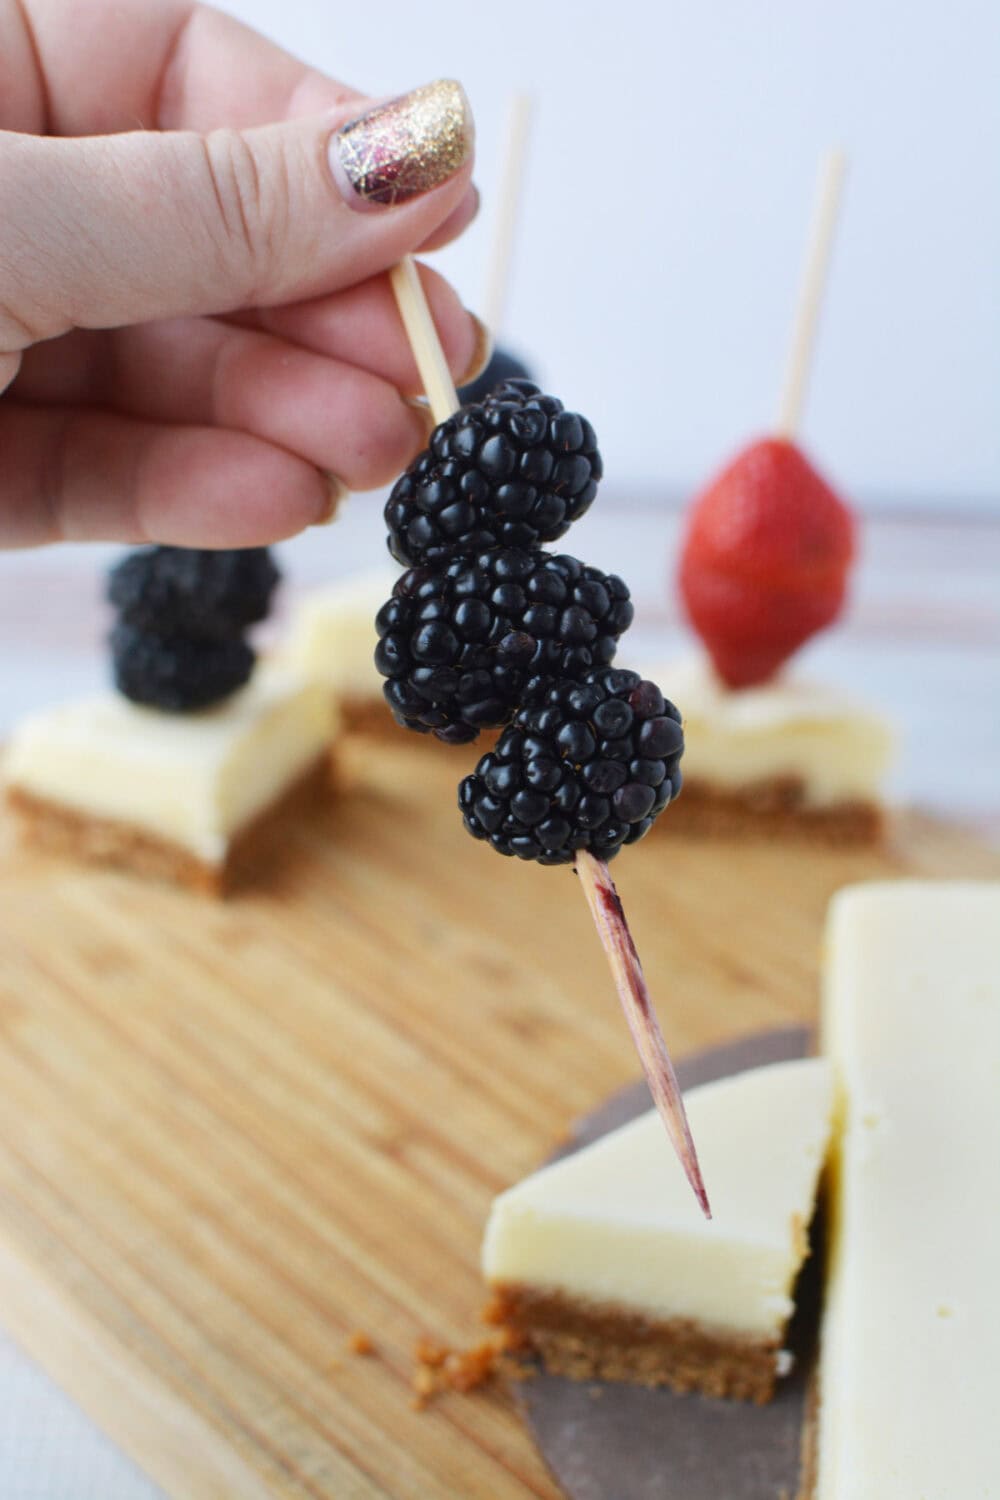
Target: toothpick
point(602, 898)
point(507, 200)
point(435, 375)
point(811, 289)
point(630, 982)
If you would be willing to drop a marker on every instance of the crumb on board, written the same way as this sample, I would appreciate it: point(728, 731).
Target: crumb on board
point(440, 1369)
point(360, 1342)
point(429, 1352)
point(492, 1313)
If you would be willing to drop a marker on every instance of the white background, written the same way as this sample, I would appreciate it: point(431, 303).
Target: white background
point(666, 203)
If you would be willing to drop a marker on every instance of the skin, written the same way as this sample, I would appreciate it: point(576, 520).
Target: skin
point(196, 330)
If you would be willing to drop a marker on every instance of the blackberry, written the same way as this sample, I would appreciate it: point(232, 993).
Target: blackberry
point(503, 365)
point(466, 640)
point(587, 765)
point(193, 591)
point(511, 471)
point(178, 671)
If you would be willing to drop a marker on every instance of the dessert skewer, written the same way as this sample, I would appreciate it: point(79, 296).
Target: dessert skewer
point(765, 563)
point(504, 364)
point(768, 544)
point(625, 702)
point(829, 191)
point(184, 770)
point(516, 138)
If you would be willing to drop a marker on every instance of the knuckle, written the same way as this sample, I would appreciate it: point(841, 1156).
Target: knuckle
point(18, 329)
point(252, 205)
point(42, 263)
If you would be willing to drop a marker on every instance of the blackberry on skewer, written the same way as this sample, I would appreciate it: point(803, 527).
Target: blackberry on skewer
point(515, 470)
point(182, 612)
point(464, 642)
point(587, 765)
point(567, 734)
point(195, 590)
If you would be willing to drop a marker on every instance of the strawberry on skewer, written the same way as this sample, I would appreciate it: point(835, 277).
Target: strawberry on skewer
point(765, 560)
point(768, 547)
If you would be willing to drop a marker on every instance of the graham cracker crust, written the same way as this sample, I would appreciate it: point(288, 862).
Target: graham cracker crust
point(773, 809)
point(368, 714)
point(372, 718)
point(61, 830)
point(594, 1342)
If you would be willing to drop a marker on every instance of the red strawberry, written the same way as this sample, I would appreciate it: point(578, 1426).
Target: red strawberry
point(765, 559)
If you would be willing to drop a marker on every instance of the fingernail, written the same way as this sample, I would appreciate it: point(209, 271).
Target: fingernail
point(403, 148)
point(419, 405)
point(336, 493)
point(481, 354)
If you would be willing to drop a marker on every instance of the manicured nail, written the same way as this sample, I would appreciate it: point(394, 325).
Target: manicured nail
point(336, 493)
point(419, 405)
point(482, 352)
point(404, 148)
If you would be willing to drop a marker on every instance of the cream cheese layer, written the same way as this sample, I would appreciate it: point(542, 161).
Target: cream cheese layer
point(194, 779)
point(332, 636)
point(616, 1223)
point(790, 727)
point(911, 1327)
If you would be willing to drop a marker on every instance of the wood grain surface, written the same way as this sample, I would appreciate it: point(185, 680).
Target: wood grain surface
point(233, 1134)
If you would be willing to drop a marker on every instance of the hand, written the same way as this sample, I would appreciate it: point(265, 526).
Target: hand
point(196, 331)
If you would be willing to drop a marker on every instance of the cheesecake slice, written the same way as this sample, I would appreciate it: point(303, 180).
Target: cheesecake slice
point(604, 1265)
point(186, 796)
point(909, 1390)
point(332, 640)
point(788, 757)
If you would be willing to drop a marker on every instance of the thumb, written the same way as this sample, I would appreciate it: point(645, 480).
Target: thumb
point(106, 230)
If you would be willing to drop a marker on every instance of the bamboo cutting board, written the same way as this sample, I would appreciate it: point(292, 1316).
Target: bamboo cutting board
point(233, 1134)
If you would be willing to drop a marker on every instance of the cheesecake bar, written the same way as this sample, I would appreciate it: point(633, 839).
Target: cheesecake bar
point(185, 797)
point(332, 640)
point(909, 1389)
point(603, 1264)
point(788, 757)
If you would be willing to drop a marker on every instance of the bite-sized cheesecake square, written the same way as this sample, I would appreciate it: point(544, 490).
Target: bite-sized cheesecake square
point(790, 757)
point(909, 1386)
point(603, 1264)
point(182, 796)
point(332, 640)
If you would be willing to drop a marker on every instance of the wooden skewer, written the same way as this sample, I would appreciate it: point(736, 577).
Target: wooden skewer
point(630, 982)
point(435, 375)
point(598, 887)
point(515, 149)
point(811, 289)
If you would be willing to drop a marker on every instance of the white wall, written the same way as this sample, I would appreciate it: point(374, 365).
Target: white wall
point(666, 206)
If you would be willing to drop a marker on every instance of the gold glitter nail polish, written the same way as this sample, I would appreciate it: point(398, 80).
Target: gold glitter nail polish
point(403, 148)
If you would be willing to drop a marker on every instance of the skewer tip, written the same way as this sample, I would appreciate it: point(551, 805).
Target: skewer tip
point(616, 940)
